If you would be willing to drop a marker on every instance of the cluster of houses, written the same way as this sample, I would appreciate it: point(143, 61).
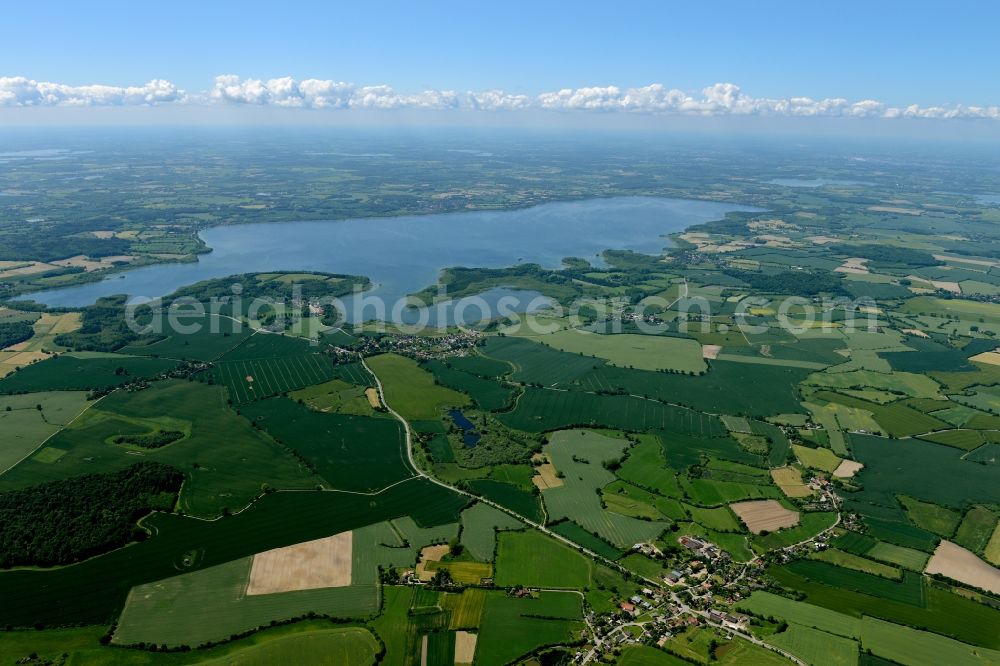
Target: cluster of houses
point(728, 620)
point(706, 549)
point(418, 346)
point(636, 604)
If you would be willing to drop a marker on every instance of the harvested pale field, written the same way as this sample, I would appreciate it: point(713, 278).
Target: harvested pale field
point(90, 265)
point(63, 323)
point(372, 395)
point(310, 565)
point(855, 265)
point(430, 554)
point(964, 260)
point(546, 474)
point(963, 565)
point(103, 234)
point(465, 647)
point(895, 209)
point(45, 329)
point(847, 468)
point(27, 269)
point(953, 287)
point(789, 480)
point(25, 357)
point(990, 358)
point(761, 515)
point(916, 331)
point(710, 351)
point(822, 240)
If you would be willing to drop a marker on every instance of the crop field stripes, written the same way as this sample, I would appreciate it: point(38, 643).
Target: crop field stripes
point(353, 373)
point(253, 379)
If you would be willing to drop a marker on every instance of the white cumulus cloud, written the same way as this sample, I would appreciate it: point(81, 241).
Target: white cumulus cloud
point(22, 91)
point(324, 94)
point(719, 99)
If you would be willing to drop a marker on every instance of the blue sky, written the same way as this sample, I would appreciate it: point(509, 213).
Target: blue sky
point(899, 53)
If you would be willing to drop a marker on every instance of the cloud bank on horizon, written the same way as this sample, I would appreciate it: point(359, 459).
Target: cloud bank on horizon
point(720, 99)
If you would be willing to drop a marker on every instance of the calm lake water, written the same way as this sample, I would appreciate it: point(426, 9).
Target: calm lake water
point(402, 255)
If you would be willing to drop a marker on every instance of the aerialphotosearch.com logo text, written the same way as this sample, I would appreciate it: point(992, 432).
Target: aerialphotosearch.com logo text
point(512, 312)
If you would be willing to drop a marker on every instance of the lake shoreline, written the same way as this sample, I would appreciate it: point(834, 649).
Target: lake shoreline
point(404, 254)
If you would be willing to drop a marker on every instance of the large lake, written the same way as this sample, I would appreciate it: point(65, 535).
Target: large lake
point(402, 255)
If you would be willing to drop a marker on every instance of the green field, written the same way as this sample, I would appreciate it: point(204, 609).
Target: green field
point(817, 647)
point(93, 591)
point(926, 471)
point(539, 410)
point(910, 646)
point(410, 390)
point(710, 492)
point(465, 609)
point(944, 613)
point(628, 500)
point(350, 646)
point(766, 604)
point(907, 383)
point(896, 419)
point(643, 352)
point(201, 338)
point(248, 380)
point(579, 455)
point(712, 392)
point(909, 590)
point(85, 372)
point(818, 458)
point(646, 467)
point(512, 497)
point(486, 393)
point(515, 475)
point(851, 561)
point(577, 534)
point(896, 531)
point(355, 453)
point(909, 558)
point(992, 551)
point(810, 524)
point(938, 519)
point(337, 396)
point(513, 627)
point(967, 440)
point(480, 365)
point(227, 461)
point(25, 426)
point(644, 655)
point(976, 529)
point(210, 605)
point(480, 523)
point(720, 519)
point(534, 560)
point(310, 640)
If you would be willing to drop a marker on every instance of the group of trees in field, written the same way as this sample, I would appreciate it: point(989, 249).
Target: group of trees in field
point(797, 283)
point(13, 332)
point(888, 254)
point(66, 521)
